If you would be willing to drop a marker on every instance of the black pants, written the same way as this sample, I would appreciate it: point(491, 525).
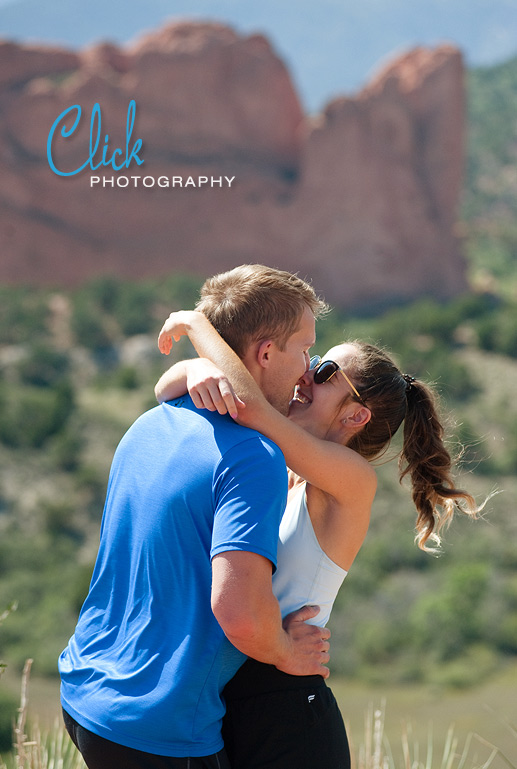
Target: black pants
point(277, 721)
point(99, 753)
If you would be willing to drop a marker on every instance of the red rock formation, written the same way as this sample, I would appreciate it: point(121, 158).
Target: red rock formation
point(388, 216)
point(362, 199)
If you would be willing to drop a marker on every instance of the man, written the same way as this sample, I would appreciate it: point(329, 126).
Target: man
point(188, 545)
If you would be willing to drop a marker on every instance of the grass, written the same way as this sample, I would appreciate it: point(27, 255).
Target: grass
point(375, 751)
point(35, 748)
point(50, 747)
point(419, 716)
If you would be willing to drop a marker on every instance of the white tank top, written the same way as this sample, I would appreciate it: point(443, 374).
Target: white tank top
point(305, 574)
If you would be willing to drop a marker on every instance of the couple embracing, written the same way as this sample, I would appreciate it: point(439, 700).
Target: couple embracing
point(218, 568)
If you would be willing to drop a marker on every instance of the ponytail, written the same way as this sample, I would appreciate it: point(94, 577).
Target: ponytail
point(393, 399)
point(428, 463)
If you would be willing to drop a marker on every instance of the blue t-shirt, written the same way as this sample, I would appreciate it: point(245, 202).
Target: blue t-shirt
point(148, 661)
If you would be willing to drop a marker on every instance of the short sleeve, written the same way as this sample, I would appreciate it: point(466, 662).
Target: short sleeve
point(250, 493)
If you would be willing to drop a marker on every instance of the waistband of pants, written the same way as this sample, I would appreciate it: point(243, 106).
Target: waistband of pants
point(258, 678)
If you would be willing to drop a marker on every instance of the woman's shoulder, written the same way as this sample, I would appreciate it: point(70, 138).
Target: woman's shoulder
point(340, 525)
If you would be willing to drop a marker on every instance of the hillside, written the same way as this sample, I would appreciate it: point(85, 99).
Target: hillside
point(77, 369)
point(491, 175)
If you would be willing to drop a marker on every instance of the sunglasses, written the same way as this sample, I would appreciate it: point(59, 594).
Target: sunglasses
point(324, 370)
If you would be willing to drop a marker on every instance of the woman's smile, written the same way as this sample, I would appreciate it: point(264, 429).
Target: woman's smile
point(300, 396)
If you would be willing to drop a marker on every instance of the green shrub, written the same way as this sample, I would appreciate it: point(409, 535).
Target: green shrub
point(498, 332)
point(8, 708)
point(65, 448)
point(134, 308)
point(127, 378)
point(23, 314)
point(90, 327)
point(29, 416)
point(44, 366)
point(446, 621)
point(473, 664)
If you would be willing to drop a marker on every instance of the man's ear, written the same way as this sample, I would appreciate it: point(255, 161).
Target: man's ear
point(359, 417)
point(264, 353)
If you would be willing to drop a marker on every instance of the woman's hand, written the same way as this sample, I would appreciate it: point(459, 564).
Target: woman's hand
point(210, 389)
point(177, 325)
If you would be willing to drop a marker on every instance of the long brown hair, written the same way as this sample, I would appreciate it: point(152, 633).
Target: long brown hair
point(395, 398)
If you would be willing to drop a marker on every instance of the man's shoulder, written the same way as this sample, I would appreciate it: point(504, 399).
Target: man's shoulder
point(226, 432)
point(230, 433)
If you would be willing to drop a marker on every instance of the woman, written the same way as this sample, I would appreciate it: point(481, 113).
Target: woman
point(329, 439)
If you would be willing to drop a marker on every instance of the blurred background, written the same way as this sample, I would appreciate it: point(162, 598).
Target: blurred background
point(374, 149)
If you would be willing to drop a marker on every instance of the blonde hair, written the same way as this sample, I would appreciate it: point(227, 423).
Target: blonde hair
point(254, 302)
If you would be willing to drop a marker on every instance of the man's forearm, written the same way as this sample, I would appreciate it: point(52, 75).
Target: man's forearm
point(256, 631)
point(248, 612)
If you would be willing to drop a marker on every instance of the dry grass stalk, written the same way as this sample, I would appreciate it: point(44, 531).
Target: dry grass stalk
point(21, 743)
point(49, 750)
point(375, 751)
point(55, 750)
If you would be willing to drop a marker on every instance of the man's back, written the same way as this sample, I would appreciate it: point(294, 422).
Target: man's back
point(148, 661)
